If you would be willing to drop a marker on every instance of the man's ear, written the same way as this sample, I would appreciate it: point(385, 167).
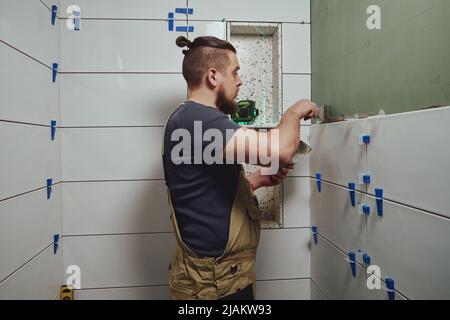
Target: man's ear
point(213, 77)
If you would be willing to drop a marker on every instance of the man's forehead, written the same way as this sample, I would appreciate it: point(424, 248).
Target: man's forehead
point(234, 63)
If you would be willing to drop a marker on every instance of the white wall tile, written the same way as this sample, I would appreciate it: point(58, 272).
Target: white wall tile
point(39, 279)
point(19, 75)
point(133, 293)
point(333, 274)
point(301, 167)
point(49, 3)
point(283, 254)
point(296, 202)
point(336, 219)
point(336, 152)
point(120, 260)
point(208, 28)
point(315, 293)
point(120, 99)
point(28, 158)
point(305, 133)
point(28, 268)
point(27, 226)
point(111, 153)
point(251, 10)
point(409, 159)
point(26, 25)
point(283, 290)
point(411, 246)
point(115, 207)
point(120, 46)
point(382, 295)
point(137, 9)
point(296, 48)
point(295, 88)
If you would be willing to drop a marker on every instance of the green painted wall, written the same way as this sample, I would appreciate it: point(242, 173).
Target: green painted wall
point(402, 67)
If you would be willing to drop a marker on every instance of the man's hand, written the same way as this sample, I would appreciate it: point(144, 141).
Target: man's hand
point(257, 180)
point(305, 109)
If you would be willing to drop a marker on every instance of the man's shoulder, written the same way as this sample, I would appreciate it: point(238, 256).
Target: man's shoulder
point(188, 112)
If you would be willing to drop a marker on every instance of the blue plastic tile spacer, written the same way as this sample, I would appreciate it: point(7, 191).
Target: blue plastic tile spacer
point(171, 21)
point(55, 243)
point(55, 71)
point(54, 11)
point(76, 20)
point(390, 285)
point(314, 232)
point(53, 129)
point(364, 178)
point(49, 188)
point(319, 181)
point(364, 139)
point(184, 10)
point(366, 209)
point(366, 259)
point(352, 190)
point(185, 29)
point(379, 198)
point(352, 258)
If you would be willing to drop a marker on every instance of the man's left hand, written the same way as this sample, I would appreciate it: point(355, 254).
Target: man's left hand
point(257, 180)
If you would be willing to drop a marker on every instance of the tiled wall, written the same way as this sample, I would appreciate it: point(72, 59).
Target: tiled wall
point(119, 79)
point(29, 101)
point(408, 159)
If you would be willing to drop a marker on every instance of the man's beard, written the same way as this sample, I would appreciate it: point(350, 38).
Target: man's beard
point(224, 104)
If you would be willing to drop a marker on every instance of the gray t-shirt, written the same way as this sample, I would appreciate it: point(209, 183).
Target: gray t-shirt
point(202, 194)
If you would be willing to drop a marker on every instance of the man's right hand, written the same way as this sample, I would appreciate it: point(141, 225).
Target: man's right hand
point(305, 109)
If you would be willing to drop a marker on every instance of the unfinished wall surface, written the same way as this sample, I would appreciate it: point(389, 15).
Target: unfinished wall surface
point(119, 78)
point(401, 67)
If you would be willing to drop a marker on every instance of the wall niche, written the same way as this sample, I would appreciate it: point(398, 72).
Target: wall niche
point(258, 48)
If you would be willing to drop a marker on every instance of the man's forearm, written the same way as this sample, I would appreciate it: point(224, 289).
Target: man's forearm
point(289, 134)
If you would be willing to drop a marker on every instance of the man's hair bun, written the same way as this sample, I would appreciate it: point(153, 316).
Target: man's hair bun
point(183, 42)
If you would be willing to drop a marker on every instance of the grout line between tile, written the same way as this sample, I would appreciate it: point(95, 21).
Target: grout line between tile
point(24, 264)
point(320, 289)
point(27, 192)
point(386, 199)
point(25, 54)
